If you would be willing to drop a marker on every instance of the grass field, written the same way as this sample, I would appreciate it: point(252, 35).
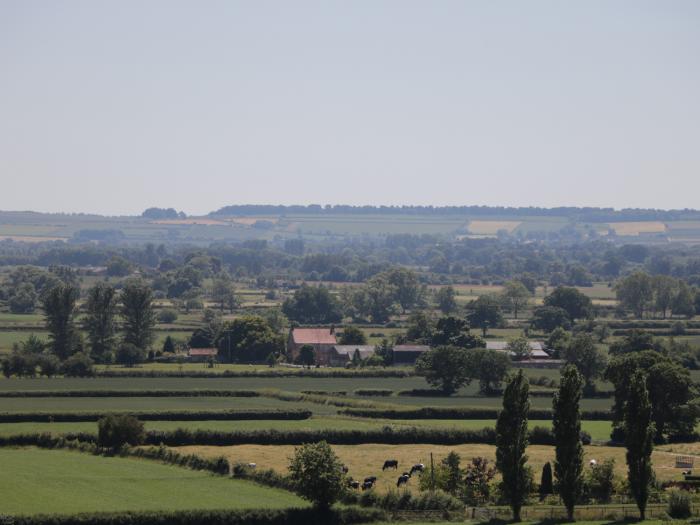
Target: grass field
point(367, 460)
point(36, 481)
point(126, 404)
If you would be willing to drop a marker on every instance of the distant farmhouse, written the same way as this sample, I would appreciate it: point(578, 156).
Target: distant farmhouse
point(322, 340)
point(201, 355)
point(536, 349)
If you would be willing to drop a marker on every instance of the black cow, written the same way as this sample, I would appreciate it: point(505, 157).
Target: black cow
point(403, 479)
point(418, 467)
point(344, 469)
point(353, 484)
point(391, 463)
point(370, 479)
point(367, 485)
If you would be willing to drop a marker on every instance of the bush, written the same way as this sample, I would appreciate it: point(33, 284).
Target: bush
point(78, 365)
point(599, 482)
point(130, 355)
point(679, 505)
point(167, 316)
point(373, 392)
point(117, 430)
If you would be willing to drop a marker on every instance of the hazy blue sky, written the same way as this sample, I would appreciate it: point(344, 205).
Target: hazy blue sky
point(113, 106)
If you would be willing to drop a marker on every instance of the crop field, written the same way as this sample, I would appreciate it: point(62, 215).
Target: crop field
point(36, 481)
point(636, 228)
point(367, 460)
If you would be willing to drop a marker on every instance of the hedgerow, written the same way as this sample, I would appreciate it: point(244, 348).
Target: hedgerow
point(459, 413)
point(130, 393)
point(276, 372)
point(373, 392)
point(306, 516)
point(159, 415)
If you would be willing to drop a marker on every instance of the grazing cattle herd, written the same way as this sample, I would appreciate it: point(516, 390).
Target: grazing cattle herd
point(369, 481)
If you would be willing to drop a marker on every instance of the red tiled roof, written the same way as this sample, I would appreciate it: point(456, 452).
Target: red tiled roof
point(313, 336)
point(203, 351)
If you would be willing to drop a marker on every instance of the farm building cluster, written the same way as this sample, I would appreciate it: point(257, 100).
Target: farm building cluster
point(328, 352)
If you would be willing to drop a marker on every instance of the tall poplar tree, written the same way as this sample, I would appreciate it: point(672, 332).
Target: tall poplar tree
point(99, 323)
point(59, 310)
point(639, 440)
point(511, 442)
point(139, 316)
point(568, 466)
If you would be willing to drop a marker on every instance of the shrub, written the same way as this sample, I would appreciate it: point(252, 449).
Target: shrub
point(373, 392)
point(117, 430)
point(130, 355)
point(167, 316)
point(78, 365)
point(679, 505)
point(599, 482)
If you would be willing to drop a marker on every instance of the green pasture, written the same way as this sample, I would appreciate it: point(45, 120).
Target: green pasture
point(135, 404)
point(36, 481)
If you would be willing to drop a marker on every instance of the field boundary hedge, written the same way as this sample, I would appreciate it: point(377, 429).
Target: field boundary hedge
point(306, 373)
point(459, 413)
point(293, 516)
point(169, 415)
point(385, 435)
point(130, 393)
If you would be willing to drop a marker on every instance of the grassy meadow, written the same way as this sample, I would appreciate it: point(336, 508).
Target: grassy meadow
point(367, 459)
point(37, 481)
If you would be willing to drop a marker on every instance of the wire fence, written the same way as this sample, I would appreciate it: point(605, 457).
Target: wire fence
point(583, 512)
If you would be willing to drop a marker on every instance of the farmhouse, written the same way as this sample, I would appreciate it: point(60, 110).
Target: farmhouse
point(341, 355)
point(322, 340)
point(202, 354)
point(536, 348)
point(407, 354)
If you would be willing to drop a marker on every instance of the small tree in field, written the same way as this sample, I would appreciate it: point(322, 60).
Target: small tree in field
point(445, 367)
point(318, 474)
point(117, 430)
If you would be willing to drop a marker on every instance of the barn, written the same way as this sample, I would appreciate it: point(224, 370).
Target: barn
point(322, 340)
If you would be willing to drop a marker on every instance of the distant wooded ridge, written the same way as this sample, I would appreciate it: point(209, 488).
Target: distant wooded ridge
point(587, 214)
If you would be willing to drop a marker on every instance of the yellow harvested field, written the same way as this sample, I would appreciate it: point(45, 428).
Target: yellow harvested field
point(635, 228)
point(492, 227)
point(249, 221)
point(367, 460)
point(189, 222)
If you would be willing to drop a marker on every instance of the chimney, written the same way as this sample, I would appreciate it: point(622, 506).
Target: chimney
point(332, 329)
